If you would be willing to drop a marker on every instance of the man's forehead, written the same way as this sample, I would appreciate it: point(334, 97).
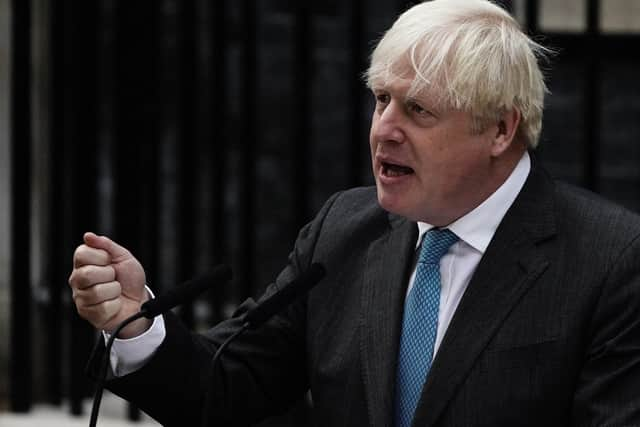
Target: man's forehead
point(392, 83)
point(396, 74)
point(397, 68)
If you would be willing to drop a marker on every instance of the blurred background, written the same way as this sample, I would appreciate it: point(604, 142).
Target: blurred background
point(196, 132)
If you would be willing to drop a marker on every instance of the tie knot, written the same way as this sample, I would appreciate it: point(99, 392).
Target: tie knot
point(435, 243)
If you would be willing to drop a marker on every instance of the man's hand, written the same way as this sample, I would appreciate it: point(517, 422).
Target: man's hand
point(108, 285)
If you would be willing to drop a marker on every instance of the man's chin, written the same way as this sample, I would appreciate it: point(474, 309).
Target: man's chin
point(392, 203)
point(400, 205)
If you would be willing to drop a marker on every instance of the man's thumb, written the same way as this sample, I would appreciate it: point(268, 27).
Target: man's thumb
point(103, 242)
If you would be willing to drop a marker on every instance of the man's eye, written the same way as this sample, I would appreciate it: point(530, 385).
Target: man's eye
point(382, 98)
point(417, 108)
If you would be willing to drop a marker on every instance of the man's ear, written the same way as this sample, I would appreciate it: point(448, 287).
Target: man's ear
point(506, 129)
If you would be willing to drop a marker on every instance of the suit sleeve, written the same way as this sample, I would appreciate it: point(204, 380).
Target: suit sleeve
point(608, 389)
point(261, 373)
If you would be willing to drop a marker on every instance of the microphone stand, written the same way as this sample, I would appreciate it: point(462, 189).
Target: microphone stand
point(151, 309)
point(97, 397)
point(211, 372)
point(253, 319)
point(258, 315)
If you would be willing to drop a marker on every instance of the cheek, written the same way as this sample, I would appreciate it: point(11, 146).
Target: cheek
point(447, 160)
point(373, 146)
point(468, 167)
point(372, 130)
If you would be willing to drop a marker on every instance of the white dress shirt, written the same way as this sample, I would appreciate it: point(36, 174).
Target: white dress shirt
point(129, 355)
point(475, 230)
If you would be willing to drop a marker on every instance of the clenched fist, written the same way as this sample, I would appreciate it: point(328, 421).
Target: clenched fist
point(108, 285)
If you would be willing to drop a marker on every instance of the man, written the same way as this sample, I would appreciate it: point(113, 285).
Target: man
point(466, 289)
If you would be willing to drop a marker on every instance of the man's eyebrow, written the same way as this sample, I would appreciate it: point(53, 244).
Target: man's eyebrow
point(378, 87)
point(416, 100)
point(424, 102)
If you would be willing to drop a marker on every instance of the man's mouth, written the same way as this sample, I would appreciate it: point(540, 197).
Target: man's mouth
point(393, 170)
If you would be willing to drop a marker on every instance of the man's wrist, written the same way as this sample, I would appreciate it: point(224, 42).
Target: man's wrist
point(135, 329)
point(129, 355)
point(139, 326)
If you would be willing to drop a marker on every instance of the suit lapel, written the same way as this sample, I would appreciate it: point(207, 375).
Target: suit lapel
point(509, 267)
point(385, 278)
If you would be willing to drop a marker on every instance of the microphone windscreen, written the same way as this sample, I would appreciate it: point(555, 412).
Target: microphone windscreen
point(185, 292)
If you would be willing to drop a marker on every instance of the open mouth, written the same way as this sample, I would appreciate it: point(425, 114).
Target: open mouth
point(393, 170)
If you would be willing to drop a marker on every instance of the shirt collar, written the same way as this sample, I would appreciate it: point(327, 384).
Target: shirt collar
point(477, 227)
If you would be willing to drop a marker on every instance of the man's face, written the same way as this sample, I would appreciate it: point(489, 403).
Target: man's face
point(427, 163)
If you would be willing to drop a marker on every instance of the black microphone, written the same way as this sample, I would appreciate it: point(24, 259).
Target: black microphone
point(152, 308)
point(260, 314)
point(285, 296)
point(185, 292)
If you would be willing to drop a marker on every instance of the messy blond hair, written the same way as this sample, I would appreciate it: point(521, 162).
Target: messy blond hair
point(470, 54)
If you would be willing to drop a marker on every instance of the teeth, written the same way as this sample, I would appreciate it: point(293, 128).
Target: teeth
point(390, 169)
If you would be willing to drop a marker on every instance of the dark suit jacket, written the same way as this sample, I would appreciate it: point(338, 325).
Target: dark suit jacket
point(547, 333)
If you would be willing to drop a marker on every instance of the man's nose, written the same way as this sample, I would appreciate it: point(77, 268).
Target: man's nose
point(390, 126)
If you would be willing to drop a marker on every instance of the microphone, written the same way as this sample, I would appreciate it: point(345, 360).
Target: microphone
point(259, 314)
point(152, 308)
point(185, 292)
point(282, 298)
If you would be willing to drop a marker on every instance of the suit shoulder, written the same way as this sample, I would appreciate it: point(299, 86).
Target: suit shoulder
point(354, 209)
point(357, 199)
point(594, 214)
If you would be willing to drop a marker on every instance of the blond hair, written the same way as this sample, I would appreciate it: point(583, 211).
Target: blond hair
point(470, 54)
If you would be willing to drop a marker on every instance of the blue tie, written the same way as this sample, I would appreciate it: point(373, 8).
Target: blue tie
point(420, 325)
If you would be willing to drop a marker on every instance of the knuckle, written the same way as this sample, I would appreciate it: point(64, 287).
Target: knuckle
point(105, 309)
point(83, 312)
point(86, 276)
point(112, 291)
point(80, 300)
point(90, 298)
point(81, 278)
point(78, 272)
point(115, 306)
point(98, 294)
point(107, 273)
point(80, 253)
point(89, 274)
